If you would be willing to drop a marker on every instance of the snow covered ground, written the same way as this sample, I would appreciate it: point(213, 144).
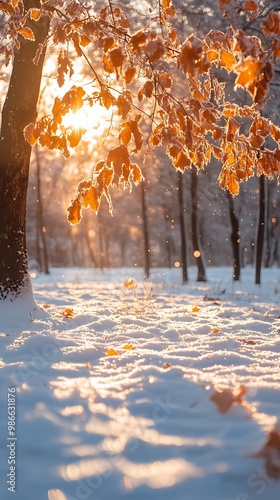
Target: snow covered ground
point(125, 389)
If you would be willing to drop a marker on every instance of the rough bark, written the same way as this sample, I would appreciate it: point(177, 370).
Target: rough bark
point(182, 229)
point(19, 109)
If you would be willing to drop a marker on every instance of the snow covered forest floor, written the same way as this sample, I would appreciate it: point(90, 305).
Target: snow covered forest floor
point(143, 390)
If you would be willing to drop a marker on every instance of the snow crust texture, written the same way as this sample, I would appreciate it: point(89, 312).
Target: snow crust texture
point(132, 390)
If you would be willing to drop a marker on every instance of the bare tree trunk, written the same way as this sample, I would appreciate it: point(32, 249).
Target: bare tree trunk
point(101, 244)
point(201, 274)
point(40, 219)
point(260, 230)
point(146, 243)
point(268, 231)
point(19, 109)
point(182, 229)
point(235, 238)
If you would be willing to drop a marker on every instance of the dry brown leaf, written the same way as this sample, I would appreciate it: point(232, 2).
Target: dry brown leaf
point(226, 398)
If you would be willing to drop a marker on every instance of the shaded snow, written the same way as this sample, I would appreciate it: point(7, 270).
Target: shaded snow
point(141, 425)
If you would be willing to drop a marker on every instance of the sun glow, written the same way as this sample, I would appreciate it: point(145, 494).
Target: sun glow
point(93, 119)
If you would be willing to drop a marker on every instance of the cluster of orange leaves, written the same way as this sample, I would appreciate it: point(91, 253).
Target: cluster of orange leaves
point(144, 68)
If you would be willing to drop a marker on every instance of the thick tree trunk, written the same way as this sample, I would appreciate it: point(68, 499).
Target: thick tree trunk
point(260, 230)
point(19, 109)
point(201, 274)
point(182, 229)
point(234, 238)
point(146, 242)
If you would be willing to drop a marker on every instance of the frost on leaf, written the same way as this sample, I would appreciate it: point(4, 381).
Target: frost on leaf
point(27, 33)
point(74, 212)
point(35, 14)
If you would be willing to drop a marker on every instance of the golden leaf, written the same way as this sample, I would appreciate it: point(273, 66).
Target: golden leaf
point(195, 309)
point(106, 99)
point(35, 14)
point(129, 347)
point(227, 59)
point(233, 184)
point(29, 134)
point(91, 198)
point(124, 105)
point(112, 352)
point(129, 74)
point(130, 283)
point(118, 158)
point(216, 330)
point(75, 136)
point(212, 55)
point(68, 312)
point(74, 212)
point(27, 33)
point(146, 89)
point(125, 133)
point(248, 71)
point(136, 174)
point(6, 7)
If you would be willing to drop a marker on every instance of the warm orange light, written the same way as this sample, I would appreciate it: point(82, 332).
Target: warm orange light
point(177, 264)
point(273, 220)
point(196, 254)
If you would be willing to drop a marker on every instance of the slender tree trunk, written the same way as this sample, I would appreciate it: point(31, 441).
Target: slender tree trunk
point(201, 274)
point(268, 231)
point(235, 238)
point(101, 243)
point(182, 229)
point(260, 230)
point(19, 109)
point(40, 219)
point(146, 242)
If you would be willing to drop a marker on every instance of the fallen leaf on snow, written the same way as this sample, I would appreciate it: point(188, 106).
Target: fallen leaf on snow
point(195, 309)
point(130, 283)
point(129, 347)
point(216, 330)
point(68, 312)
point(167, 365)
point(248, 342)
point(112, 352)
point(225, 398)
point(271, 453)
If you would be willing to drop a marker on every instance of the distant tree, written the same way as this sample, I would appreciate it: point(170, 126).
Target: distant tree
point(260, 230)
point(137, 81)
point(234, 238)
point(183, 237)
point(197, 249)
